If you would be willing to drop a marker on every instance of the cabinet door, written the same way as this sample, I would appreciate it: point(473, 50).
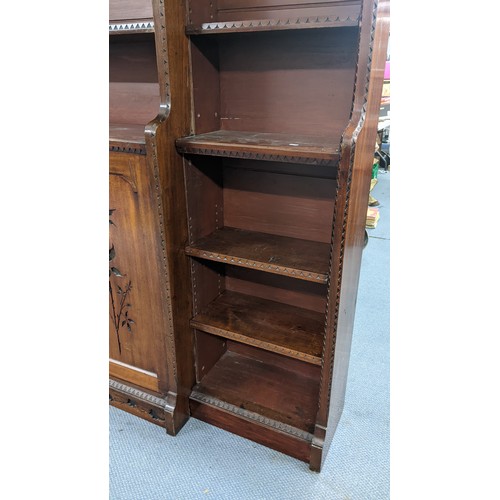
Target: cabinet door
point(137, 324)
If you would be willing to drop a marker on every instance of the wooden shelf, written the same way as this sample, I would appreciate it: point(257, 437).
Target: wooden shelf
point(263, 146)
point(270, 325)
point(260, 391)
point(127, 137)
point(255, 25)
point(302, 259)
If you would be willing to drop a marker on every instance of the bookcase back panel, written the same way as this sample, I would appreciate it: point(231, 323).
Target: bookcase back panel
point(134, 92)
point(286, 205)
point(133, 102)
point(123, 10)
point(203, 177)
point(209, 349)
point(132, 59)
point(208, 282)
point(294, 365)
point(288, 82)
point(298, 293)
point(323, 172)
point(205, 76)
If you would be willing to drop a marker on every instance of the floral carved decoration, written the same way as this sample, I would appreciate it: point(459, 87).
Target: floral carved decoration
point(119, 290)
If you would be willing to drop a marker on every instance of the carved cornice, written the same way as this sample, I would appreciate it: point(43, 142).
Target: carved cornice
point(262, 266)
point(250, 415)
point(333, 301)
point(132, 27)
point(272, 24)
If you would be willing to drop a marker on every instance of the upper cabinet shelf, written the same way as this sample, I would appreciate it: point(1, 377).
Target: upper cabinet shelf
point(134, 89)
point(270, 25)
point(287, 148)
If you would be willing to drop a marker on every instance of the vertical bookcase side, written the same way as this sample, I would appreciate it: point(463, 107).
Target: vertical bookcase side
point(166, 166)
point(358, 148)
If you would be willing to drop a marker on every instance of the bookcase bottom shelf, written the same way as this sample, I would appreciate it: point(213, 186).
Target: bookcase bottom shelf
point(260, 401)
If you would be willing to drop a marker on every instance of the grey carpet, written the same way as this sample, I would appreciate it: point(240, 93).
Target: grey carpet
point(204, 462)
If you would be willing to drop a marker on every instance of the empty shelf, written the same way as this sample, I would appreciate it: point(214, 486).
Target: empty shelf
point(269, 325)
point(263, 146)
point(302, 259)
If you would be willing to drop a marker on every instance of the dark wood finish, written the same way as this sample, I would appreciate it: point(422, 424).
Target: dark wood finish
point(349, 227)
point(250, 393)
point(134, 375)
point(134, 88)
point(298, 293)
point(252, 152)
point(302, 259)
point(209, 348)
point(285, 205)
point(228, 418)
point(132, 236)
point(123, 136)
point(277, 170)
point(261, 146)
point(132, 398)
point(130, 10)
point(270, 325)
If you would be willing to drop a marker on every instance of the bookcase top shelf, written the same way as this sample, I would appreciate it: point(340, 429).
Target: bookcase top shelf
point(262, 146)
point(254, 25)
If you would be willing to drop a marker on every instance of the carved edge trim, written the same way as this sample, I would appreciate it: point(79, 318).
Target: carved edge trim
point(261, 266)
point(164, 256)
point(334, 323)
point(161, 32)
point(140, 395)
point(250, 415)
point(152, 143)
point(138, 150)
point(246, 155)
point(268, 346)
point(136, 27)
point(267, 24)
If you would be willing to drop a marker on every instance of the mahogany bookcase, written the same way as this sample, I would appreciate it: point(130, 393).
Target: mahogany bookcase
point(259, 166)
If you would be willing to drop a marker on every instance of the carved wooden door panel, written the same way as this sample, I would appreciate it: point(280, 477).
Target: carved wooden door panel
point(136, 317)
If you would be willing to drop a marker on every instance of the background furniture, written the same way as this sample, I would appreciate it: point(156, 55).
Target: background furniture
point(151, 370)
